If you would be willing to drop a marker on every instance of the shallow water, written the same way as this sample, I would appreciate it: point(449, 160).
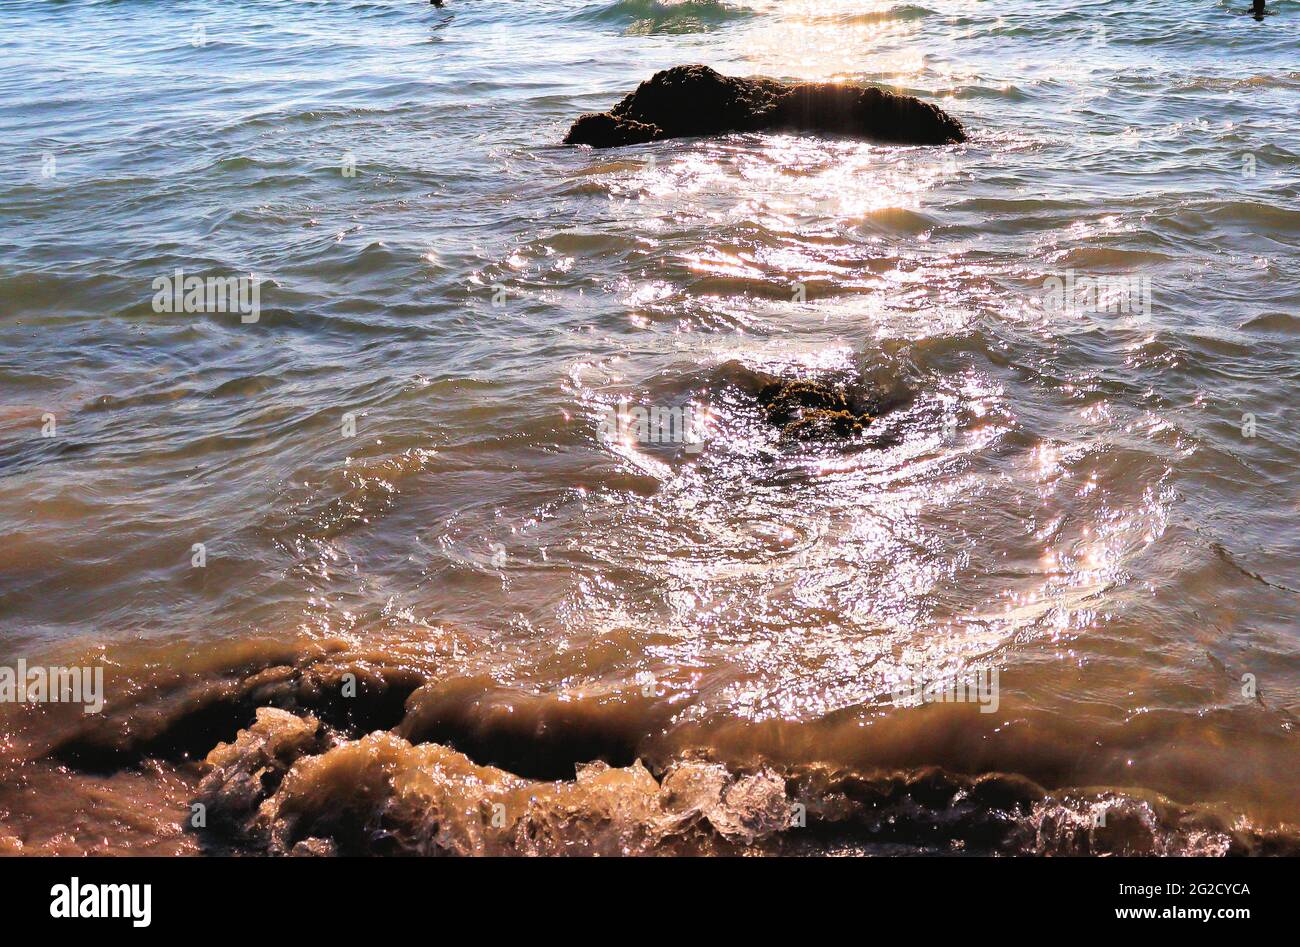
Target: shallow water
point(1099, 505)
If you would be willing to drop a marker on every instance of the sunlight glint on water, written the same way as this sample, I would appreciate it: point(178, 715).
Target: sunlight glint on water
point(1067, 496)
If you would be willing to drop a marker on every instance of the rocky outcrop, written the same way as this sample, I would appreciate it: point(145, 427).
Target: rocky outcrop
point(695, 100)
point(808, 410)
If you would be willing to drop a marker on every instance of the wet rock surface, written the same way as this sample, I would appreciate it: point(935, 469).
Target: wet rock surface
point(807, 410)
point(696, 100)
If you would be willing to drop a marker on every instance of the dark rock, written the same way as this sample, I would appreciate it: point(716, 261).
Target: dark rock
point(696, 100)
point(812, 410)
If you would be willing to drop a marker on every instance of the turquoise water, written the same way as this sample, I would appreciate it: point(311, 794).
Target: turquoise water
point(405, 445)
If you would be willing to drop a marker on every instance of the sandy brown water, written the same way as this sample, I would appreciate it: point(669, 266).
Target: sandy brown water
point(444, 608)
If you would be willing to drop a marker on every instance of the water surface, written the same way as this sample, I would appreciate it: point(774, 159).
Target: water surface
point(1099, 505)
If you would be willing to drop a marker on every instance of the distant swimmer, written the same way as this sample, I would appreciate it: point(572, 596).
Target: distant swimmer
point(438, 3)
point(1257, 10)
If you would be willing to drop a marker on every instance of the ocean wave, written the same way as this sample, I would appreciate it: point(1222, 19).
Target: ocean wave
point(1281, 323)
point(380, 794)
point(903, 11)
point(665, 16)
point(330, 751)
point(1277, 80)
point(1004, 91)
point(1110, 258)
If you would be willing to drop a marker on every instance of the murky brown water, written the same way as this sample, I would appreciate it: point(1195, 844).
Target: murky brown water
point(470, 615)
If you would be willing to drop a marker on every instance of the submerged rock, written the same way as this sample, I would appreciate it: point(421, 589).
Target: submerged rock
point(812, 410)
point(696, 100)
